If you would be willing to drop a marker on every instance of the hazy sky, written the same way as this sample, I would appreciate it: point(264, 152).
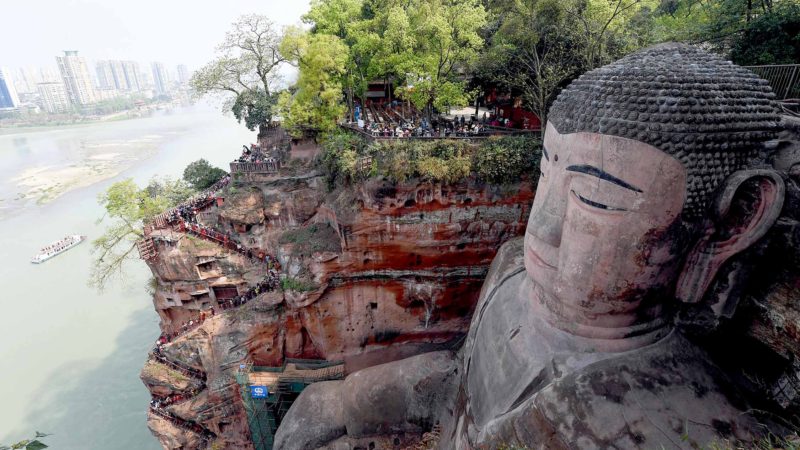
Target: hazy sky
point(174, 32)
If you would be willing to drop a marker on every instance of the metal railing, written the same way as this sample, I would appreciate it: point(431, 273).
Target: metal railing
point(784, 79)
point(488, 133)
point(256, 167)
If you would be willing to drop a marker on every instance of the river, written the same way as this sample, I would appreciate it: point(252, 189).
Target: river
point(69, 355)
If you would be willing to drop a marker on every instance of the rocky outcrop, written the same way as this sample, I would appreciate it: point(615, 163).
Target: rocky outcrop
point(411, 396)
point(375, 273)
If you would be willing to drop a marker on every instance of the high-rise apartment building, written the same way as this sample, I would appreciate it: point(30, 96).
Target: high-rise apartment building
point(105, 76)
point(54, 97)
point(49, 75)
point(26, 80)
point(8, 93)
point(132, 76)
point(75, 74)
point(160, 79)
point(112, 75)
point(183, 74)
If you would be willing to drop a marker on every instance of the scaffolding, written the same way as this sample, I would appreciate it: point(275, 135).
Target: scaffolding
point(284, 385)
point(147, 249)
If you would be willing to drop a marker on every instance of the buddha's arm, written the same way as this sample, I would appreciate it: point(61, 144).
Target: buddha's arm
point(405, 395)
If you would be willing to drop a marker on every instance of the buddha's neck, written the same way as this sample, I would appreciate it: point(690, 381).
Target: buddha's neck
point(603, 332)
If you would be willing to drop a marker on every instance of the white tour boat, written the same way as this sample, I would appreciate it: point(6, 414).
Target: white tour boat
point(57, 248)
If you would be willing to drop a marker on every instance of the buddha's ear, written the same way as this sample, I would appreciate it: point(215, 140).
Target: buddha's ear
point(744, 210)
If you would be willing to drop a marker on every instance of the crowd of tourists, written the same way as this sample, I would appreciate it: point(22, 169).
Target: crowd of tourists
point(158, 355)
point(161, 411)
point(188, 210)
point(174, 399)
point(255, 154)
point(269, 283)
point(60, 245)
point(227, 241)
point(460, 127)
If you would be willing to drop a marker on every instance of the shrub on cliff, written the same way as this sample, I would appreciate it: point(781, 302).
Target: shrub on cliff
point(507, 159)
point(298, 285)
point(450, 170)
point(348, 159)
point(339, 153)
point(317, 237)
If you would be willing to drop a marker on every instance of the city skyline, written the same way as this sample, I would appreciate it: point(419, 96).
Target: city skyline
point(101, 32)
point(76, 83)
point(116, 69)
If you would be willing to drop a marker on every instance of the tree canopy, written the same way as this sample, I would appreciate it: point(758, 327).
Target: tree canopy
point(316, 100)
point(436, 52)
point(201, 175)
point(28, 444)
point(246, 68)
point(128, 207)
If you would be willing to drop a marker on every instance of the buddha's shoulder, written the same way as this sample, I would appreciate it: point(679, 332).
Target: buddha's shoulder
point(509, 261)
point(665, 396)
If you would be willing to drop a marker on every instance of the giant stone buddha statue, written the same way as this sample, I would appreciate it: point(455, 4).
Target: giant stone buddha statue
point(650, 181)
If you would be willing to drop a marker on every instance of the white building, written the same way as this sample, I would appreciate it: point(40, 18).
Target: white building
point(75, 74)
point(183, 74)
point(8, 93)
point(54, 97)
point(26, 80)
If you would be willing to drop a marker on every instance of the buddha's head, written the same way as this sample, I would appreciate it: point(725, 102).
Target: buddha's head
point(649, 184)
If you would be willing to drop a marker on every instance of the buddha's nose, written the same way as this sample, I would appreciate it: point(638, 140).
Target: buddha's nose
point(546, 221)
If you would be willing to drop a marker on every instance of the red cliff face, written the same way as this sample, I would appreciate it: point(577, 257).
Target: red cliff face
point(374, 273)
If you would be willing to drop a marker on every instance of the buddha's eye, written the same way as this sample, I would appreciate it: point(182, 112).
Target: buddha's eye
point(594, 204)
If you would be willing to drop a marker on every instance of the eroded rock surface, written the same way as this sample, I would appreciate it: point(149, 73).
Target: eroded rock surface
point(374, 274)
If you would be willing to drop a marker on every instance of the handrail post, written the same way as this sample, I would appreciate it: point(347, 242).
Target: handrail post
point(791, 82)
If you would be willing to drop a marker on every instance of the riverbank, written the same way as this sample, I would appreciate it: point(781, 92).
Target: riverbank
point(8, 127)
point(44, 164)
point(73, 354)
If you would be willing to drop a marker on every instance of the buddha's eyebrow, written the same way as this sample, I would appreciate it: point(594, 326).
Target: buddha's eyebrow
point(544, 152)
point(594, 171)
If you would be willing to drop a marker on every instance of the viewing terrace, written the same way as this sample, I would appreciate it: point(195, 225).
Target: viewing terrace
point(387, 121)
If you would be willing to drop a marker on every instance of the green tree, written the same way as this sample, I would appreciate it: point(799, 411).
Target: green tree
point(750, 32)
point(128, 208)
point(609, 29)
point(246, 68)
point(315, 101)
point(532, 51)
point(429, 45)
point(28, 444)
point(345, 19)
point(771, 38)
point(425, 47)
point(201, 175)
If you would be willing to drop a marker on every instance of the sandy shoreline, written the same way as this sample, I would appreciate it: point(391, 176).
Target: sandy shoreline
point(44, 184)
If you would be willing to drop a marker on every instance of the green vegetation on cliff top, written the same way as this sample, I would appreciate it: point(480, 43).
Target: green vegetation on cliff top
point(347, 158)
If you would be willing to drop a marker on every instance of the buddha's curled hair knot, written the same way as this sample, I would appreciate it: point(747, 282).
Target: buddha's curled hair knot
point(711, 114)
